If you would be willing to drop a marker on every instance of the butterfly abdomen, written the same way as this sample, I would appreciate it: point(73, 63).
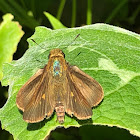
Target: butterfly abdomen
point(60, 112)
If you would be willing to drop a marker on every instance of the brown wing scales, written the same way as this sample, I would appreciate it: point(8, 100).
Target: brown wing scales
point(27, 91)
point(90, 88)
point(33, 98)
point(76, 104)
point(83, 93)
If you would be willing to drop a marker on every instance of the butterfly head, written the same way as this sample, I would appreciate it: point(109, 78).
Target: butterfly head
point(56, 53)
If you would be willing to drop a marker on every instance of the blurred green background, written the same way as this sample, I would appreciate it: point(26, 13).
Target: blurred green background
point(72, 13)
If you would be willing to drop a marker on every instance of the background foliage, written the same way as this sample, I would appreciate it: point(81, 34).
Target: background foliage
point(72, 13)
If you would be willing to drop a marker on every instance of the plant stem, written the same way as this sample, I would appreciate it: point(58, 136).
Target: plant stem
point(73, 19)
point(115, 11)
point(60, 10)
point(89, 12)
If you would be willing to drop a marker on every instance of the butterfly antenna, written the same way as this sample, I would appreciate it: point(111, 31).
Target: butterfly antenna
point(37, 44)
point(76, 37)
point(77, 55)
point(72, 41)
point(40, 47)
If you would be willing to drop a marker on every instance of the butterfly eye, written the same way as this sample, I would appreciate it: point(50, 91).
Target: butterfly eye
point(49, 56)
point(63, 54)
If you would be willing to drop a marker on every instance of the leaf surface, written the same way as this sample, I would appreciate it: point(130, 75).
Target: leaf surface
point(10, 35)
point(109, 54)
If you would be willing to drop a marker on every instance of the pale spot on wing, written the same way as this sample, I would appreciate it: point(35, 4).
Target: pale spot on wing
point(43, 96)
point(72, 94)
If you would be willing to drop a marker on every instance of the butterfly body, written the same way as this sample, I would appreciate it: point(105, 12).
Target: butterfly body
point(58, 68)
point(58, 87)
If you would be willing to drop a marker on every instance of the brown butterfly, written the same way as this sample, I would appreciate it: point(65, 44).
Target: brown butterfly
point(60, 87)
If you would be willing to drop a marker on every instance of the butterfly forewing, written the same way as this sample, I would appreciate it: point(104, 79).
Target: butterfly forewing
point(89, 88)
point(27, 91)
point(76, 104)
point(33, 98)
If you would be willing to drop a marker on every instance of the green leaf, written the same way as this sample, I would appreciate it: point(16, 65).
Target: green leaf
point(20, 12)
point(109, 54)
point(10, 34)
point(56, 24)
